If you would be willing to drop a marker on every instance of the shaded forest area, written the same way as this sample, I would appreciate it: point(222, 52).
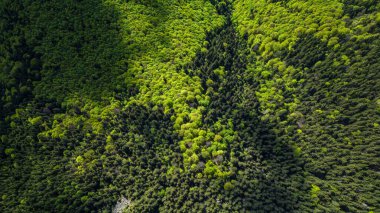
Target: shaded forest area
point(190, 106)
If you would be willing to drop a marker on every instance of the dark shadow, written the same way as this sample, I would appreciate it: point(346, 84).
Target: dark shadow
point(268, 176)
point(81, 47)
point(341, 144)
point(78, 50)
point(81, 51)
point(58, 49)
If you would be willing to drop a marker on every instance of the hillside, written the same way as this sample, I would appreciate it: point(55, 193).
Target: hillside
point(190, 106)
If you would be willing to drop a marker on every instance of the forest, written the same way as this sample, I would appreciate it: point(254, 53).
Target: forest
point(189, 106)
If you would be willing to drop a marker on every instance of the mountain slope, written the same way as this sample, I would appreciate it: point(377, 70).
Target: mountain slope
point(190, 106)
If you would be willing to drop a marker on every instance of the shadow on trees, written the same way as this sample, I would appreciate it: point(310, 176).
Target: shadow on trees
point(71, 49)
point(347, 94)
point(52, 49)
point(269, 177)
point(56, 50)
point(75, 47)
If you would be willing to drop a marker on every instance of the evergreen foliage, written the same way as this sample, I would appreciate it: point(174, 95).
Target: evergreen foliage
point(190, 106)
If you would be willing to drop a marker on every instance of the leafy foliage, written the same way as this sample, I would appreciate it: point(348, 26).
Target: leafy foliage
point(190, 106)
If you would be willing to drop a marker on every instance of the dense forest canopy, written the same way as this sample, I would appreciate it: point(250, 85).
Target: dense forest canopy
point(190, 106)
